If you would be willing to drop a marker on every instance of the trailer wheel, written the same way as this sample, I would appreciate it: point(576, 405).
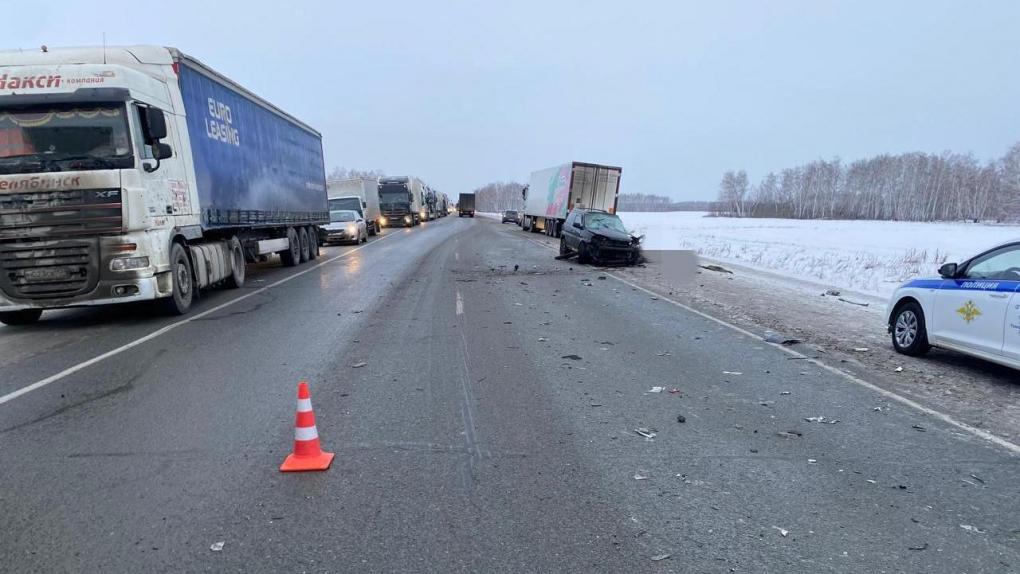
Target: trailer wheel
point(18, 318)
point(305, 243)
point(313, 243)
point(292, 255)
point(182, 292)
point(236, 278)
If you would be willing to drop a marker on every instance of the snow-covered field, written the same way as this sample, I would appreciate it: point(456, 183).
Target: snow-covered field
point(868, 256)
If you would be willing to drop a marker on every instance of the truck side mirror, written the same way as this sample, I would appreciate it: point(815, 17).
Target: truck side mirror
point(161, 150)
point(153, 125)
point(949, 270)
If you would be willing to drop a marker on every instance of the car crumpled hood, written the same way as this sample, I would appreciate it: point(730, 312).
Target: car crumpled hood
point(613, 235)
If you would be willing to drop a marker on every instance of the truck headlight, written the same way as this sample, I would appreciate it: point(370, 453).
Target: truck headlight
point(128, 263)
point(382, 221)
point(407, 219)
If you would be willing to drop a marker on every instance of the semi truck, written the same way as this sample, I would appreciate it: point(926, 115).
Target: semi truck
point(139, 173)
point(551, 193)
point(359, 194)
point(466, 205)
point(400, 201)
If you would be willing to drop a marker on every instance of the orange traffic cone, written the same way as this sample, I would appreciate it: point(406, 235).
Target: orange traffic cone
point(307, 454)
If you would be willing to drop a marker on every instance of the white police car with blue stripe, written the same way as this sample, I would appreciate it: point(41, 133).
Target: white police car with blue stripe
point(974, 308)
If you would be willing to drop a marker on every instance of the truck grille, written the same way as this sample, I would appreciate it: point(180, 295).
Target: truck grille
point(60, 213)
point(48, 269)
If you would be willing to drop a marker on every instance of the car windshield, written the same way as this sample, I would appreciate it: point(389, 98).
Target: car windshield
point(66, 137)
point(596, 221)
point(341, 216)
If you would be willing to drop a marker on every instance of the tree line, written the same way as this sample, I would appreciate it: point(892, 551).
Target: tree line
point(908, 187)
point(498, 196)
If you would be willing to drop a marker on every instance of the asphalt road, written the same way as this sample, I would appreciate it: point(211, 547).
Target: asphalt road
point(491, 429)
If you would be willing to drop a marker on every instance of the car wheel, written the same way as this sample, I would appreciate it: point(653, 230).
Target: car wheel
point(582, 253)
point(237, 271)
point(909, 333)
point(292, 255)
point(18, 318)
point(563, 246)
point(182, 291)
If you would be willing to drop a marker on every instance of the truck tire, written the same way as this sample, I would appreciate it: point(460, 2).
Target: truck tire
point(305, 244)
point(909, 333)
point(292, 256)
point(236, 278)
point(18, 318)
point(374, 230)
point(313, 243)
point(182, 291)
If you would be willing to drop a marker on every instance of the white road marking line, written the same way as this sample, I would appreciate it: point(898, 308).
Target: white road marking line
point(982, 434)
point(97, 359)
point(460, 304)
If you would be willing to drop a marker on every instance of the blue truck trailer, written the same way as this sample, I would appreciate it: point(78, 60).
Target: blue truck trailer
point(139, 173)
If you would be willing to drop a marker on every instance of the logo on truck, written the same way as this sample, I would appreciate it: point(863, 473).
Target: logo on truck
point(219, 125)
point(29, 82)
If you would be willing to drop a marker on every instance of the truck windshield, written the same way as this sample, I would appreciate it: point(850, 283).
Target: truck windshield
point(604, 221)
point(352, 203)
point(393, 194)
point(63, 138)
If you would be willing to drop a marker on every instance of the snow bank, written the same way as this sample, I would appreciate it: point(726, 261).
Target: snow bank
point(869, 256)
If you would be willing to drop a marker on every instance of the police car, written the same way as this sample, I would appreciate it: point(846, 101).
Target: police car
point(974, 308)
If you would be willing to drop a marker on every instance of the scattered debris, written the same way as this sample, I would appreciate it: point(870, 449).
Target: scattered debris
point(358, 365)
point(784, 393)
point(681, 419)
point(782, 531)
point(918, 428)
point(217, 546)
point(602, 277)
point(832, 293)
point(859, 304)
point(648, 433)
point(716, 268)
point(921, 547)
point(898, 369)
point(638, 476)
point(655, 390)
point(660, 557)
point(861, 349)
point(779, 339)
point(674, 391)
point(974, 529)
point(731, 373)
point(790, 434)
point(571, 357)
point(812, 461)
point(977, 478)
point(664, 354)
point(822, 420)
point(869, 481)
point(542, 339)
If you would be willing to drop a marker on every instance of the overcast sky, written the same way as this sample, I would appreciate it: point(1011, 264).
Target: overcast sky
point(463, 93)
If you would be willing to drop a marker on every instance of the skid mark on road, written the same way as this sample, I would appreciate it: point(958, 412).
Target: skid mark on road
point(972, 430)
point(163, 331)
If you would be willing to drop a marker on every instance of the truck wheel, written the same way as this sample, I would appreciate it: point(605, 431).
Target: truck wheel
point(313, 243)
point(18, 318)
point(182, 292)
point(563, 246)
point(292, 256)
point(306, 247)
point(909, 333)
point(582, 253)
point(374, 230)
point(236, 278)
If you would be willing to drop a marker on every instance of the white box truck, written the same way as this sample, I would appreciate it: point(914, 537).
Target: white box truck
point(360, 194)
point(138, 173)
point(551, 194)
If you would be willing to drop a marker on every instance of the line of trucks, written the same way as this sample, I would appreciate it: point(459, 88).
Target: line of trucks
point(139, 173)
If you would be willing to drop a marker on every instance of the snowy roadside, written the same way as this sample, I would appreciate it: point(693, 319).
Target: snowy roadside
point(871, 257)
point(842, 332)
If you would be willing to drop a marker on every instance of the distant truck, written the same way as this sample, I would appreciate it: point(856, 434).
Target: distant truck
point(139, 173)
point(552, 193)
point(359, 194)
point(443, 205)
point(400, 201)
point(466, 205)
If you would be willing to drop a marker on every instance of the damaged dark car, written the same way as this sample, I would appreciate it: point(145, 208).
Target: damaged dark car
point(599, 237)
